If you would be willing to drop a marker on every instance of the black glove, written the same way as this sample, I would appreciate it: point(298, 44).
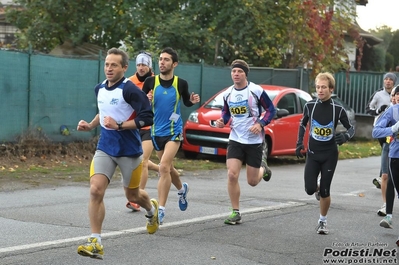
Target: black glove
point(341, 138)
point(382, 108)
point(299, 148)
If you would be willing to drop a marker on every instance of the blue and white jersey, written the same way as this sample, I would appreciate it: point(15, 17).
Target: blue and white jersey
point(123, 101)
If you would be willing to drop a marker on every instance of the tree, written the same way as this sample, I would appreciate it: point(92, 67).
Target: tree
point(47, 23)
point(373, 59)
point(320, 42)
point(390, 46)
point(263, 32)
point(215, 31)
point(384, 32)
point(389, 62)
point(393, 48)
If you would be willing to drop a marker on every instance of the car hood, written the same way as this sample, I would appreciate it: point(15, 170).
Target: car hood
point(208, 116)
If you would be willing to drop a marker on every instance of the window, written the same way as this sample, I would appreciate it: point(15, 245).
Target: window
point(288, 102)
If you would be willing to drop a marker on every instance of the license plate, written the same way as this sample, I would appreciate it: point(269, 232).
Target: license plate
point(208, 150)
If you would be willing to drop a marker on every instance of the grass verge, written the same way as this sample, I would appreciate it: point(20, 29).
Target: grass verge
point(55, 164)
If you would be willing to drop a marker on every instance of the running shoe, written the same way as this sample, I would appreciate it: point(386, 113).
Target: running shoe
point(377, 182)
point(153, 221)
point(382, 211)
point(133, 206)
point(161, 215)
point(267, 173)
point(91, 249)
point(234, 218)
point(386, 222)
point(322, 228)
point(183, 202)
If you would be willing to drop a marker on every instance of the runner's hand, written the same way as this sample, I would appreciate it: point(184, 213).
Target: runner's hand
point(299, 148)
point(382, 109)
point(341, 138)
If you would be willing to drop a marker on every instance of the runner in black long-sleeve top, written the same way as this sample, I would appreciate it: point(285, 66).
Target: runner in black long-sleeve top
point(323, 115)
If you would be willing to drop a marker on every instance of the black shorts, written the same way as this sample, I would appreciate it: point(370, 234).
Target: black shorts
point(145, 135)
point(159, 142)
point(251, 154)
point(323, 164)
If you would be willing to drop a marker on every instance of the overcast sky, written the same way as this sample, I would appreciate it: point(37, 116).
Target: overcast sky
point(378, 13)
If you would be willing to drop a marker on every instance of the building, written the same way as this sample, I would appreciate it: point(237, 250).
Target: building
point(7, 31)
point(357, 38)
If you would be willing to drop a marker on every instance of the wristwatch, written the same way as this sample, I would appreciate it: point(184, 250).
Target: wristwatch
point(119, 125)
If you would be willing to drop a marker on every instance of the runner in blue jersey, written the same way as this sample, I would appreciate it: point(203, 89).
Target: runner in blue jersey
point(322, 114)
point(168, 91)
point(122, 109)
point(243, 103)
point(388, 125)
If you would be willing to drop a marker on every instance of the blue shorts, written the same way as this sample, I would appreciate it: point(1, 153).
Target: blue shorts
point(159, 142)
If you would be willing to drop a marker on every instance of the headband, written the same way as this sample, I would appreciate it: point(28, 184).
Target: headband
point(242, 67)
point(144, 58)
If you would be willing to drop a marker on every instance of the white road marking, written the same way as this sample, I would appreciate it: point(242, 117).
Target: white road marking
point(143, 229)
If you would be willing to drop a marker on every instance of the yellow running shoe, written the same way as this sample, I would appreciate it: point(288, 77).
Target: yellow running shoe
point(91, 249)
point(153, 221)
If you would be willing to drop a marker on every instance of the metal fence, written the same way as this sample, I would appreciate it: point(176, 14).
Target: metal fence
point(44, 92)
point(356, 88)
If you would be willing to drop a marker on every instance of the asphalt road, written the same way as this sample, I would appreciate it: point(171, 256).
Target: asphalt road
point(45, 226)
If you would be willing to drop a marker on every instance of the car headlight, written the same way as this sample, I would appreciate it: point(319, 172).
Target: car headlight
point(193, 117)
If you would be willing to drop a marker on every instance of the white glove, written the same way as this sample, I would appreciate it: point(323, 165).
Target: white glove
point(395, 128)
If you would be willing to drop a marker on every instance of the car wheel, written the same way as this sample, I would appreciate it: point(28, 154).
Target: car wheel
point(266, 148)
point(190, 155)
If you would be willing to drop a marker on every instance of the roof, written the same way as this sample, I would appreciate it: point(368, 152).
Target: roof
point(370, 38)
point(362, 2)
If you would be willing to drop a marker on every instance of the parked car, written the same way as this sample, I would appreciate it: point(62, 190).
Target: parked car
point(351, 112)
point(202, 136)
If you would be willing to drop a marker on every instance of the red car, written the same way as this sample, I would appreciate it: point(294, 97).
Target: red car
point(202, 136)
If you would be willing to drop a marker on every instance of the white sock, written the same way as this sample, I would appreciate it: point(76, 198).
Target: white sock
point(389, 215)
point(181, 191)
point(162, 208)
point(323, 218)
point(98, 236)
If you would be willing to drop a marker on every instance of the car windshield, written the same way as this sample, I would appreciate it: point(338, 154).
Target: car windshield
point(217, 102)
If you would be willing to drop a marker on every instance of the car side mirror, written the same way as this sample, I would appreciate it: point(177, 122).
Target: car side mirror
point(281, 113)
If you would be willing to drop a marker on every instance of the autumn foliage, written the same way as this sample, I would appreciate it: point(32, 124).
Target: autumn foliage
point(321, 43)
